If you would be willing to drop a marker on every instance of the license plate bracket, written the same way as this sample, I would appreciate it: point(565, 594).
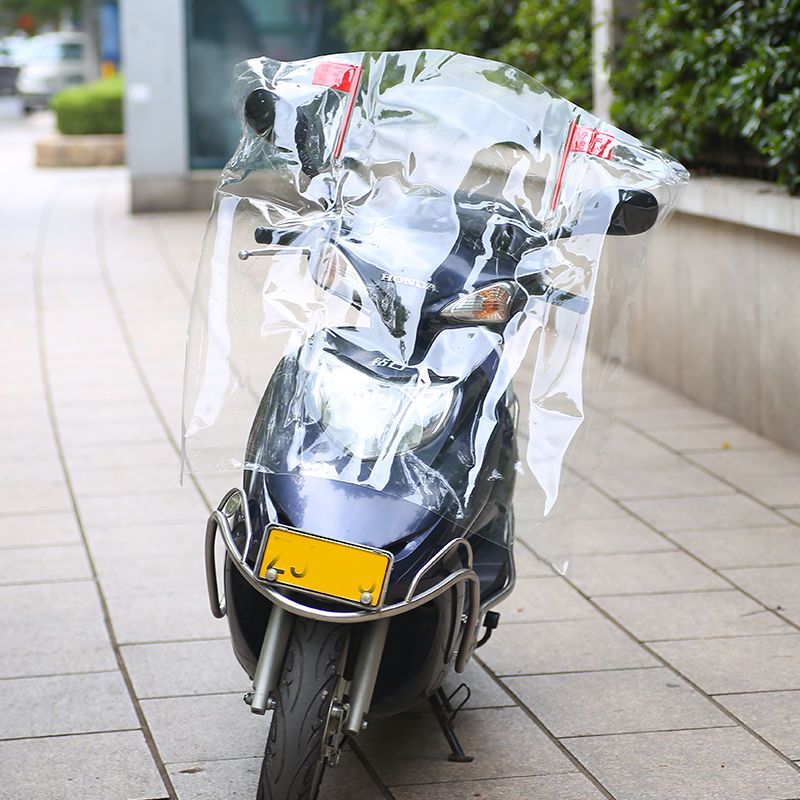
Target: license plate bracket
point(330, 568)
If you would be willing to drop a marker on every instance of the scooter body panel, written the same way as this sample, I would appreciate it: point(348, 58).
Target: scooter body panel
point(421, 643)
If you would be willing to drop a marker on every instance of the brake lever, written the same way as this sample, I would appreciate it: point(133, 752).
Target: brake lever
point(274, 250)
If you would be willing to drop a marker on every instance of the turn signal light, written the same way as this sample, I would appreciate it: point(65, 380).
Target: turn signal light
point(492, 303)
point(341, 277)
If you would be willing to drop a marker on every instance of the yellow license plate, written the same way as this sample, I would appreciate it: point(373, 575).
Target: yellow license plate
point(324, 566)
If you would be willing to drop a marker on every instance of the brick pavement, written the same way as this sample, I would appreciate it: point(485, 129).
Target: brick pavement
point(665, 665)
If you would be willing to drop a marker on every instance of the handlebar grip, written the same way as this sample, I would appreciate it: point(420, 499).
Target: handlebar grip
point(572, 302)
point(263, 235)
point(537, 288)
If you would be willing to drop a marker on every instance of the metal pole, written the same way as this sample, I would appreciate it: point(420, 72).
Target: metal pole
point(602, 38)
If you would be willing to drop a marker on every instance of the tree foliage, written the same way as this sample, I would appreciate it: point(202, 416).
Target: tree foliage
point(696, 76)
point(42, 11)
point(550, 41)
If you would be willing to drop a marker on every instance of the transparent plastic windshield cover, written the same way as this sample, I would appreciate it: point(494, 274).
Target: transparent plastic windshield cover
point(397, 236)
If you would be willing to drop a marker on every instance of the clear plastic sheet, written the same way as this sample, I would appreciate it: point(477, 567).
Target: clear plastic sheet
point(431, 225)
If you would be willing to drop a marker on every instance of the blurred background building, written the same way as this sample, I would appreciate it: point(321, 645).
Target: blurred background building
point(182, 97)
point(48, 45)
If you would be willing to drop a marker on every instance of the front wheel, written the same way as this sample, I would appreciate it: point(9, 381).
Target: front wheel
point(294, 759)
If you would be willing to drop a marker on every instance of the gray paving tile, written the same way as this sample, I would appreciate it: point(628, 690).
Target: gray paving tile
point(120, 455)
point(104, 413)
point(30, 472)
point(63, 704)
point(685, 416)
point(716, 764)
point(98, 766)
point(237, 779)
point(743, 664)
point(732, 464)
point(569, 786)
point(743, 547)
point(613, 535)
point(233, 779)
point(152, 574)
point(533, 648)
point(776, 587)
point(485, 692)
point(92, 432)
point(40, 564)
point(625, 439)
point(205, 728)
point(627, 701)
point(626, 448)
point(696, 513)
point(20, 450)
point(680, 480)
point(111, 393)
point(544, 599)
point(183, 505)
point(135, 542)
point(774, 490)
point(34, 499)
point(772, 715)
point(528, 565)
point(792, 513)
point(649, 394)
point(410, 749)
point(349, 779)
point(591, 504)
point(641, 573)
point(53, 628)
point(126, 480)
point(689, 416)
point(697, 440)
point(164, 616)
point(692, 615)
point(171, 669)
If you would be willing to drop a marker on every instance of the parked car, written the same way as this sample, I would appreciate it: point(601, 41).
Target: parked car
point(13, 50)
point(53, 61)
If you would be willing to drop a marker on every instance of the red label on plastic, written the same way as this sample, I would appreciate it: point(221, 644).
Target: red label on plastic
point(591, 141)
point(335, 75)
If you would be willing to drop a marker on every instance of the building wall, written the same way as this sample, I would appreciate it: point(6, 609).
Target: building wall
point(179, 57)
point(718, 312)
point(154, 53)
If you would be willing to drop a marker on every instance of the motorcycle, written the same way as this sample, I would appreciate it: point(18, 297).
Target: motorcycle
point(396, 234)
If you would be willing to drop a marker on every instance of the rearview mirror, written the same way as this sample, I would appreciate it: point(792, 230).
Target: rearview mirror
point(617, 212)
point(636, 212)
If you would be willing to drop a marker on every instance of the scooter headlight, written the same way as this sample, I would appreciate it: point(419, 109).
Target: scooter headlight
point(370, 416)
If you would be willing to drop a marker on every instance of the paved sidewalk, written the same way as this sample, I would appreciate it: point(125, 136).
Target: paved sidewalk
point(666, 665)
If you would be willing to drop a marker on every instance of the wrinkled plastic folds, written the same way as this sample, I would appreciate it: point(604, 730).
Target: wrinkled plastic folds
point(388, 186)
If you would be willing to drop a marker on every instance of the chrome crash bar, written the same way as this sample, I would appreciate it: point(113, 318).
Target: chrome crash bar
point(218, 521)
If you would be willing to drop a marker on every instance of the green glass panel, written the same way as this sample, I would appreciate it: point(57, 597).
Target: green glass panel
point(220, 34)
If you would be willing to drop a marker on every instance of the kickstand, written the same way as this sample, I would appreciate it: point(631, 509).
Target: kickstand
point(439, 704)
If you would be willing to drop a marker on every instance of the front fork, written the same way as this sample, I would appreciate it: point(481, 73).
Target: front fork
point(353, 699)
point(270, 662)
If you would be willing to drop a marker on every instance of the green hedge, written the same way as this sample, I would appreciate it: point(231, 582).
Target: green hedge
point(714, 82)
point(549, 40)
point(90, 108)
point(706, 79)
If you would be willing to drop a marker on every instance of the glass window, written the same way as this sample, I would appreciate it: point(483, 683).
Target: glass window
point(72, 51)
point(222, 34)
